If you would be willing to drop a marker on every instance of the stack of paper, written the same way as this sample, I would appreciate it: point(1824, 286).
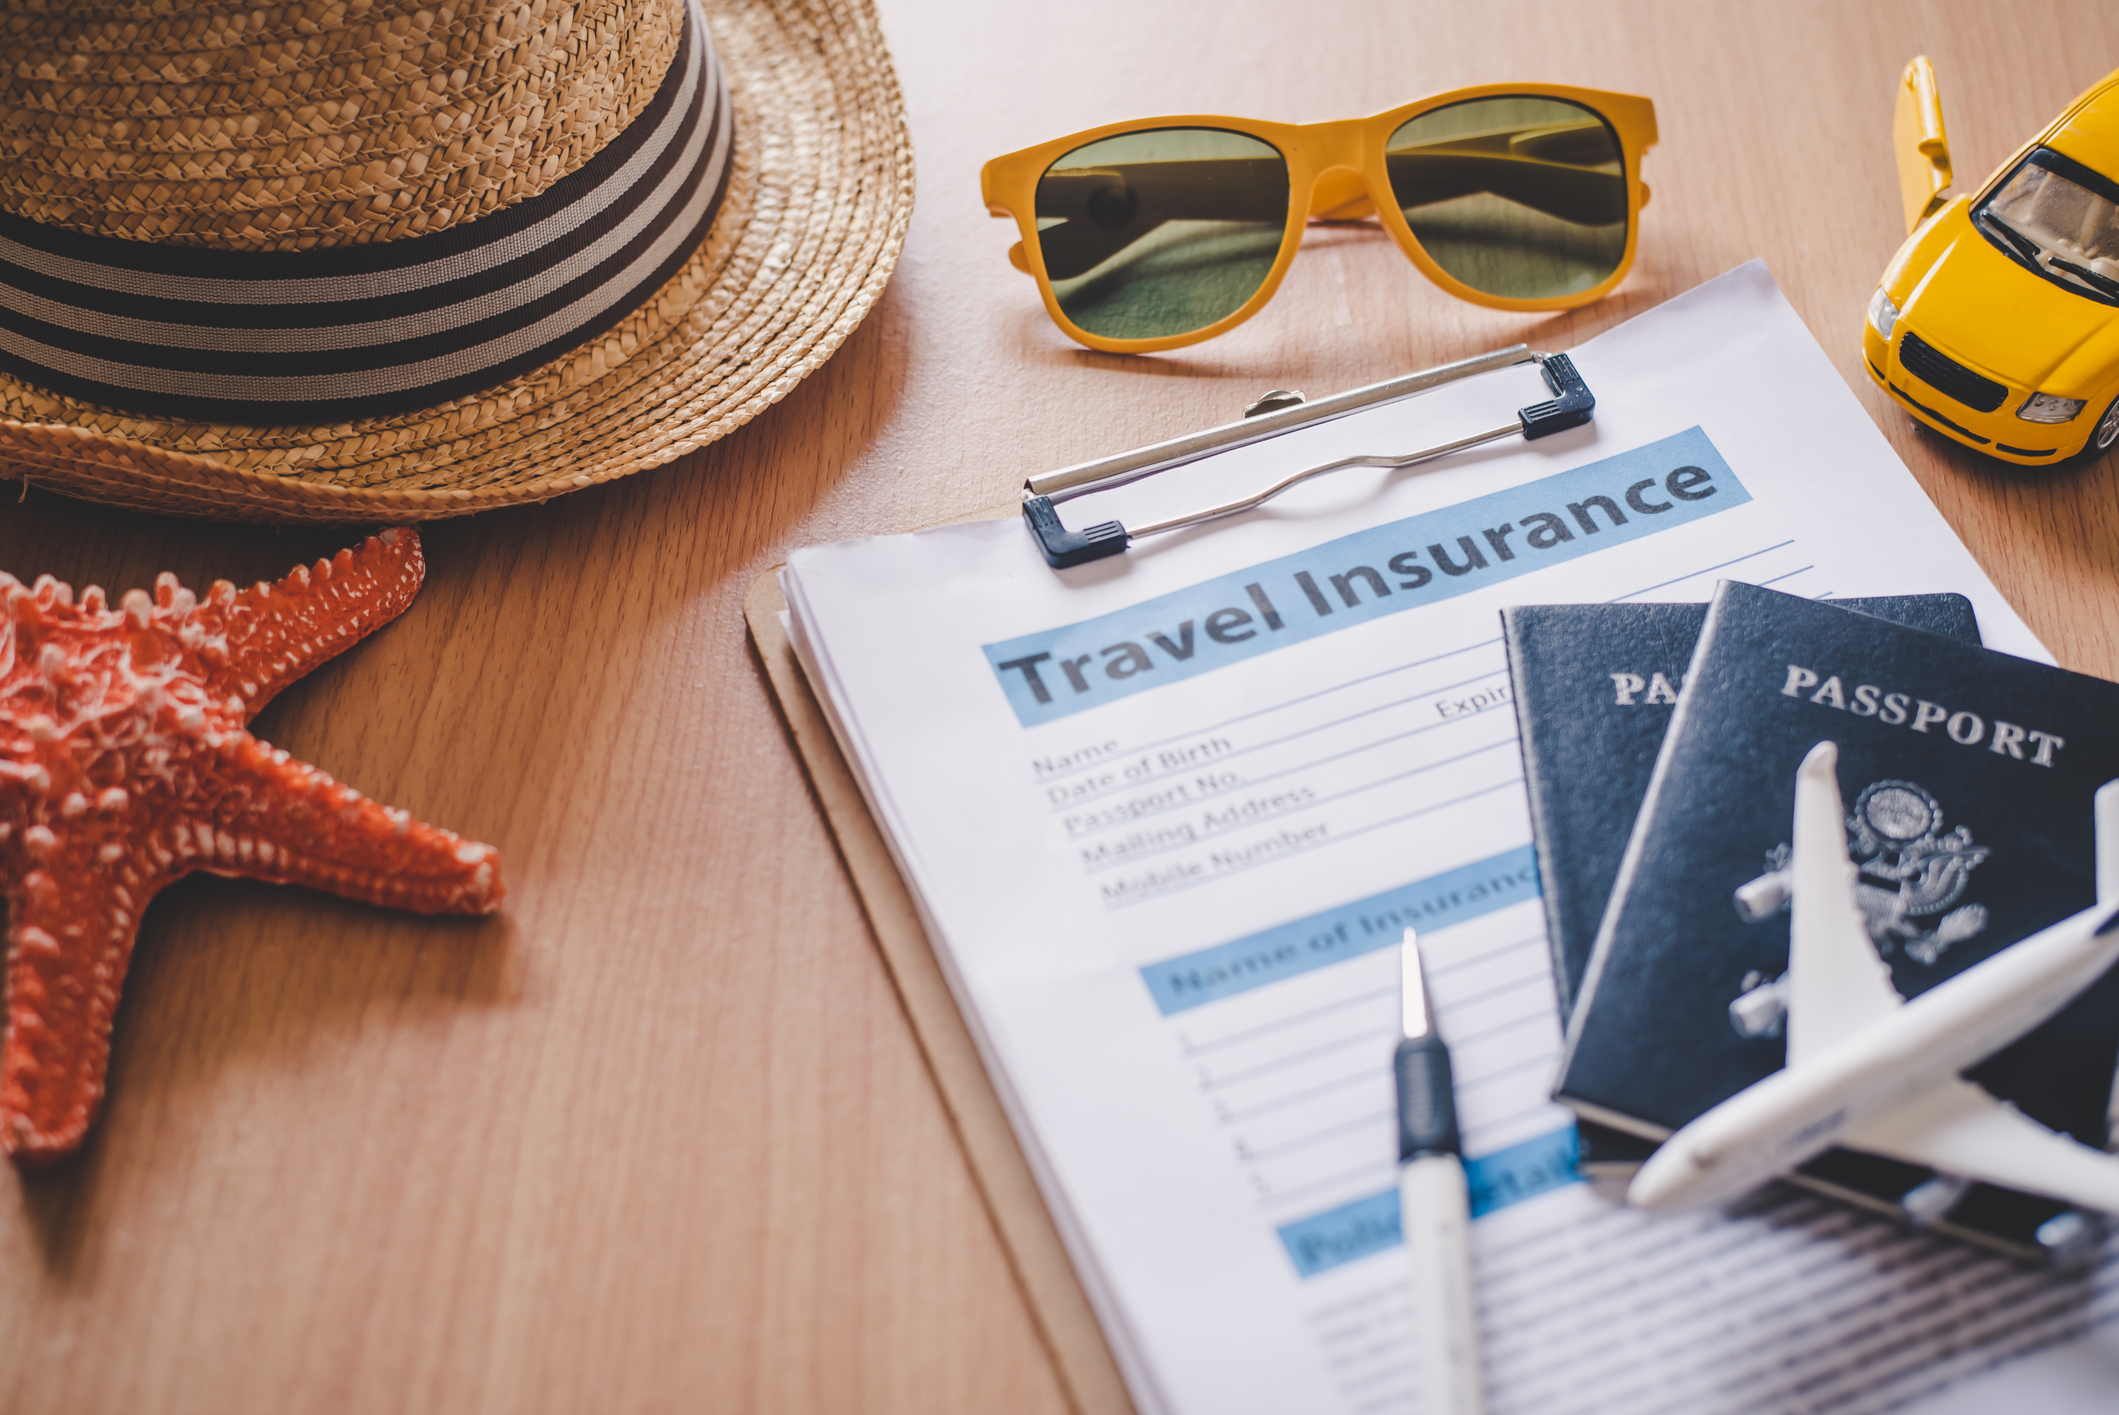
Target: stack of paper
point(1166, 817)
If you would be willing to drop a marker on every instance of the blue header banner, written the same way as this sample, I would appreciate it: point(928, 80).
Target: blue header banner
point(1420, 560)
point(1496, 1181)
point(1320, 940)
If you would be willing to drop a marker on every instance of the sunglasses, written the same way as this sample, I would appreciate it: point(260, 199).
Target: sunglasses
point(1166, 231)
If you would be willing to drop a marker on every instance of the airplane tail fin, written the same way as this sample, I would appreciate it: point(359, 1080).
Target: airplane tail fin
point(1837, 984)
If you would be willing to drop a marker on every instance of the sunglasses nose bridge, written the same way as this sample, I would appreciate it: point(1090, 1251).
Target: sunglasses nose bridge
point(1340, 190)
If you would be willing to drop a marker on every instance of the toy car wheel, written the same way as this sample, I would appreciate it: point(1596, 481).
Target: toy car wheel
point(2107, 430)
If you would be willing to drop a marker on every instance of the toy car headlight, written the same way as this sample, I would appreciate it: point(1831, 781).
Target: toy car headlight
point(2045, 408)
point(1883, 314)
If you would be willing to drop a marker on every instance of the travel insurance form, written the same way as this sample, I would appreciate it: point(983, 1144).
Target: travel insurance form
point(1166, 817)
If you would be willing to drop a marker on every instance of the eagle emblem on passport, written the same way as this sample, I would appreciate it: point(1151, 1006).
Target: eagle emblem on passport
point(1911, 875)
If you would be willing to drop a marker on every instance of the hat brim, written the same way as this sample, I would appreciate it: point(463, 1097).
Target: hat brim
point(819, 193)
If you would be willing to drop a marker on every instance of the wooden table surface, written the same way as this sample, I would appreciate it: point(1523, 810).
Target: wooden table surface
point(659, 1137)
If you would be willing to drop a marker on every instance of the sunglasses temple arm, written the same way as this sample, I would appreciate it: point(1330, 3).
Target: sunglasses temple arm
point(1572, 406)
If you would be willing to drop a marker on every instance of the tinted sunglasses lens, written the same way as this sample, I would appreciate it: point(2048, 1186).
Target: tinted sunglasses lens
point(1147, 235)
point(1524, 198)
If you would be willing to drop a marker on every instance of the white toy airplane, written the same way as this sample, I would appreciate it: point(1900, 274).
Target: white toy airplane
point(1869, 1069)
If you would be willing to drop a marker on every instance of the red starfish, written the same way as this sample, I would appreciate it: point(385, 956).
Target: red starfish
point(124, 766)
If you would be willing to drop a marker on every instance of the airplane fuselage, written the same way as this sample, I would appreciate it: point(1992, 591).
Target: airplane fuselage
point(1769, 1128)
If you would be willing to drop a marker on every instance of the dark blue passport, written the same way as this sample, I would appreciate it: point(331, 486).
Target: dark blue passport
point(1968, 776)
point(1594, 685)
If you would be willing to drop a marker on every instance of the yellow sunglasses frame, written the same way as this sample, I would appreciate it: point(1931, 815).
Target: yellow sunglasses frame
point(1336, 172)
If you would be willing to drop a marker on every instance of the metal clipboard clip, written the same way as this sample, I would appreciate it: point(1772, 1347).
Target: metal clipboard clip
point(1572, 405)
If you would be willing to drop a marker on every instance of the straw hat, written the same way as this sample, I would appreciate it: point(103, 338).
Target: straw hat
point(387, 260)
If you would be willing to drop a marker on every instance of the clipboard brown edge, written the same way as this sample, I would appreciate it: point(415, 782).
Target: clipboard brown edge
point(1059, 1308)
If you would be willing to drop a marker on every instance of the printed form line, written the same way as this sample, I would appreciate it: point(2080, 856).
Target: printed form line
point(1252, 1033)
point(1303, 1142)
point(1486, 1034)
point(1298, 1097)
point(1235, 1078)
point(1253, 782)
point(1374, 1075)
point(1285, 1196)
point(1498, 990)
point(1665, 584)
point(1276, 707)
point(1490, 954)
point(1292, 736)
point(1384, 673)
point(1488, 1078)
point(1180, 886)
point(1440, 970)
point(1182, 842)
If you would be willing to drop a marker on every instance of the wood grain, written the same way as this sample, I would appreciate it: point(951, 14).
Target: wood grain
point(659, 1137)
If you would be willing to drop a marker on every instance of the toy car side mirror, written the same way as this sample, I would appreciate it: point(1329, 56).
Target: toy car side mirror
point(1921, 145)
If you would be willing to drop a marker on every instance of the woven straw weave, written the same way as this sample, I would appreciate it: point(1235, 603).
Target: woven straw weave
point(819, 193)
point(313, 124)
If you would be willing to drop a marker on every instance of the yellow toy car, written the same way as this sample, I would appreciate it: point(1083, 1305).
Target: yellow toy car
point(1997, 323)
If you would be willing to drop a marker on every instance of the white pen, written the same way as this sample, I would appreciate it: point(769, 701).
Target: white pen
point(1434, 1206)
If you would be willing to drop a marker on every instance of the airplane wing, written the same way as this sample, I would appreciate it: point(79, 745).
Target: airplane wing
point(1959, 1129)
point(1837, 985)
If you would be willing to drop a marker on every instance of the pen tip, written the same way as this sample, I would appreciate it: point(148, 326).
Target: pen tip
point(1417, 1018)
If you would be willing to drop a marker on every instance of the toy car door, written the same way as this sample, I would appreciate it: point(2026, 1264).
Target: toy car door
point(1921, 145)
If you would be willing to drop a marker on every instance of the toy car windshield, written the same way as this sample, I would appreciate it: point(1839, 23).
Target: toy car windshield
point(2059, 219)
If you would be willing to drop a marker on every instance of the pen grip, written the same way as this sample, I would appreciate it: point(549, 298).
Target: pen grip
point(1427, 1099)
point(1435, 1214)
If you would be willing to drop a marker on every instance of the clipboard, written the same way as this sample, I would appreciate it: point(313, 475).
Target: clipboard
point(1059, 1306)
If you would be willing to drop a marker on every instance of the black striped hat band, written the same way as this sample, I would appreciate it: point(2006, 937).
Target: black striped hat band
point(290, 337)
